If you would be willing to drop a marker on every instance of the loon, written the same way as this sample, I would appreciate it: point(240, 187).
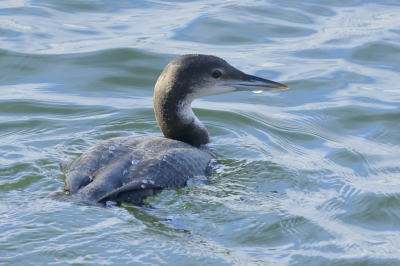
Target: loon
point(131, 169)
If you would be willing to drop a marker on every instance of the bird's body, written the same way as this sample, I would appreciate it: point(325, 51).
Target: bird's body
point(129, 169)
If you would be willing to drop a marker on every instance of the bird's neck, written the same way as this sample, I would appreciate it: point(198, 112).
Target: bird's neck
point(176, 119)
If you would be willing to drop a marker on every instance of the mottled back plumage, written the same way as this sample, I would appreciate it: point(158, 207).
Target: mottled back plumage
point(127, 169)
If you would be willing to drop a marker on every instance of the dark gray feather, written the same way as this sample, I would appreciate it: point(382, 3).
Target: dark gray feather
point(126, 169)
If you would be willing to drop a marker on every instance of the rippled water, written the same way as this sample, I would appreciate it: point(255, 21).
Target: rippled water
point(308, 176)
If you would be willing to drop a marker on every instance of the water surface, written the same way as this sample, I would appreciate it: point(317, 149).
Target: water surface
point(308, 176)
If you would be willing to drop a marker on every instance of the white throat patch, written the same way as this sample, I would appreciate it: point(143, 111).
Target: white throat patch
point(185, 110)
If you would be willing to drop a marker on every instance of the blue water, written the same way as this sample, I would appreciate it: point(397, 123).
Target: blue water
point(307, 176)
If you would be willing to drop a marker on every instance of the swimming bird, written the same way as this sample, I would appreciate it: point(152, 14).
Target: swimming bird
point(130, 169)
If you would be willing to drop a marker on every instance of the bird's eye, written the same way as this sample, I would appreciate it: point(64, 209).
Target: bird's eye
point(216, 73)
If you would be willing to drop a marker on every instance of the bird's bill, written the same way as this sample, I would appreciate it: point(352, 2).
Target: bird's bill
point(253, 83)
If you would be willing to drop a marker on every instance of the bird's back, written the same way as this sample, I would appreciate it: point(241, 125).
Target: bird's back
point(128, 169)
